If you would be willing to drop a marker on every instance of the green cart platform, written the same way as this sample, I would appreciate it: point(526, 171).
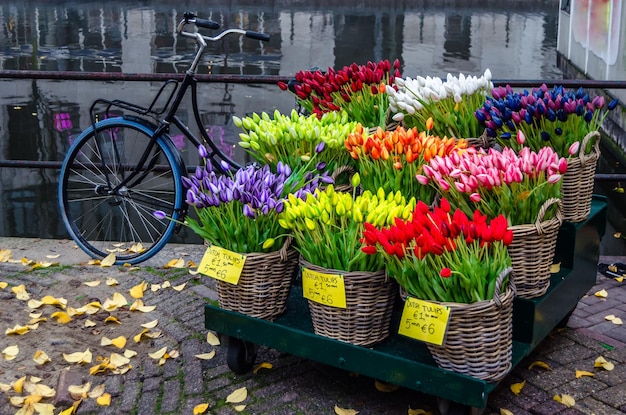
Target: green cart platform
point(406, 362)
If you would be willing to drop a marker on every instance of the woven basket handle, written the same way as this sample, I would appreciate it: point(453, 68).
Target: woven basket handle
point(499, 288)
point(283, 249)
point(544, 209)
point(584, 158)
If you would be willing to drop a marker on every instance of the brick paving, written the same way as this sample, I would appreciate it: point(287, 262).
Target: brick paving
point(299, 386)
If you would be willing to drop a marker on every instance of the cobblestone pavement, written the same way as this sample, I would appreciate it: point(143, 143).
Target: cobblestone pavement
point(293, 385)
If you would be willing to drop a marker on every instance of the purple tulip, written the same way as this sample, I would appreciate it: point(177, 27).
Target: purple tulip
point(202, 151)
point(247, 211)
point(159, 214)
point(320, 147)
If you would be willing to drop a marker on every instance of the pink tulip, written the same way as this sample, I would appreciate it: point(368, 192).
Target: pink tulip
point(521, 138)
point(573, 149)
point(562, 166)
point(553, 179)
point(475, 197)
point(423, 180)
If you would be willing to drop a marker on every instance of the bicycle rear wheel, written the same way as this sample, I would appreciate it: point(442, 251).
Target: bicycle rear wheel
point(104, 218)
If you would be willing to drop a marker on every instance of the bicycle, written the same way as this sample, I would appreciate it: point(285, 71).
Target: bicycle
point(125, 166)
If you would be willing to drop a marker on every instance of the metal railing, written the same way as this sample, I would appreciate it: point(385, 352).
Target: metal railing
point(259, 79)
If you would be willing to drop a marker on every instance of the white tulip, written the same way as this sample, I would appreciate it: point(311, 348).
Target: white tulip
point(398, 117)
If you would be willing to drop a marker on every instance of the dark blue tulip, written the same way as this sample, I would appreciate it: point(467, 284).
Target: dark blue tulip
point(561, 115)
point(480, 115)
point(507, 114)
point(490, 132)
point(588, 116)
point(320, 147)
point(580, 92)
point(510, 124)
point(247, 211)
point(505, 136)
point(613, 104)
point(531, 109)
point(580, 110)
point(528, 118)
point(545, 136)
point(558, 131)
point(497, 121)
point(551, 114)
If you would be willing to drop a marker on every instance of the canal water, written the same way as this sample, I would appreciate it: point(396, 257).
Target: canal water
point(515, 39)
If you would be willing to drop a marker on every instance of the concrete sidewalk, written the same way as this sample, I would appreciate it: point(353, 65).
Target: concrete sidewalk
point(292, 385)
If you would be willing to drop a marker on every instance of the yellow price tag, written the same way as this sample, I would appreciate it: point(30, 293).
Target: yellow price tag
point(327, 289)
point(222, 264)
point(425, 321)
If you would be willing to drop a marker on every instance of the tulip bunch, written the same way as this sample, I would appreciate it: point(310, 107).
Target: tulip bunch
point(296, 140)
point(440, 255)
point(391, 159)
point(494, 182)
point(239, 210)
point(557, 117)
point(327, 225)
point(357, 89)
point(451, 103)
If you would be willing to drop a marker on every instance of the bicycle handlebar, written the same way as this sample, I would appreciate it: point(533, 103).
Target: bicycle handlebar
point(207, 24)
point(256, 35)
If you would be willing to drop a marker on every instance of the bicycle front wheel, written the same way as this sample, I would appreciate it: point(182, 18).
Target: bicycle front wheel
point(103, 213)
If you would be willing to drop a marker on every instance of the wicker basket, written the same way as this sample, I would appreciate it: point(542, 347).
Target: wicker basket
point(264, 284)
point(366, 320)
point(479, 336)
point(532, 252)
point(578, 180)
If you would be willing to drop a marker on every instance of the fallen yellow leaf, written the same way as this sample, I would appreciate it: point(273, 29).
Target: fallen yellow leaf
point(179, 287)
point(61, 316)
point(5, 255)
point(343, 411)
point(505, 412)
point(78, 357)
point(200, 408)
point(50, 300)
point(41, 357)
point(20, 292)
point(96, 392)
point(139, 306)
point(581, 373)
point(208, 356)
point(238, 395)
point(92, 283)
point(166, 284)
point(159, 353)
point(11, 352)
point(119, 360)
point(602, 293)
point(516, 388)
point(137, 248)
point(603, 363)
point(175, 263)
point(555, 268)
point(418, 411)
point(129, 353)
point(212, 339)
point(150, 325)
point(112, 319)
point(39, 389)
point(619, 279)
point(18, 385)
point(104, 399)
point(137, 290)
point(53, 256)
point(111, 282)
point(538, 363)
point(17, 329)
point(89, 323)
point(263, 365)
point(108, 261)
point(239, 408)
point(385, 387)
point(565, 399)
point(79, 391)
point(3, 285)
point(155, 287)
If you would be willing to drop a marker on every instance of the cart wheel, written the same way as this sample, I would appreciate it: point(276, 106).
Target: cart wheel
point(447, 407)
point(241, 355)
